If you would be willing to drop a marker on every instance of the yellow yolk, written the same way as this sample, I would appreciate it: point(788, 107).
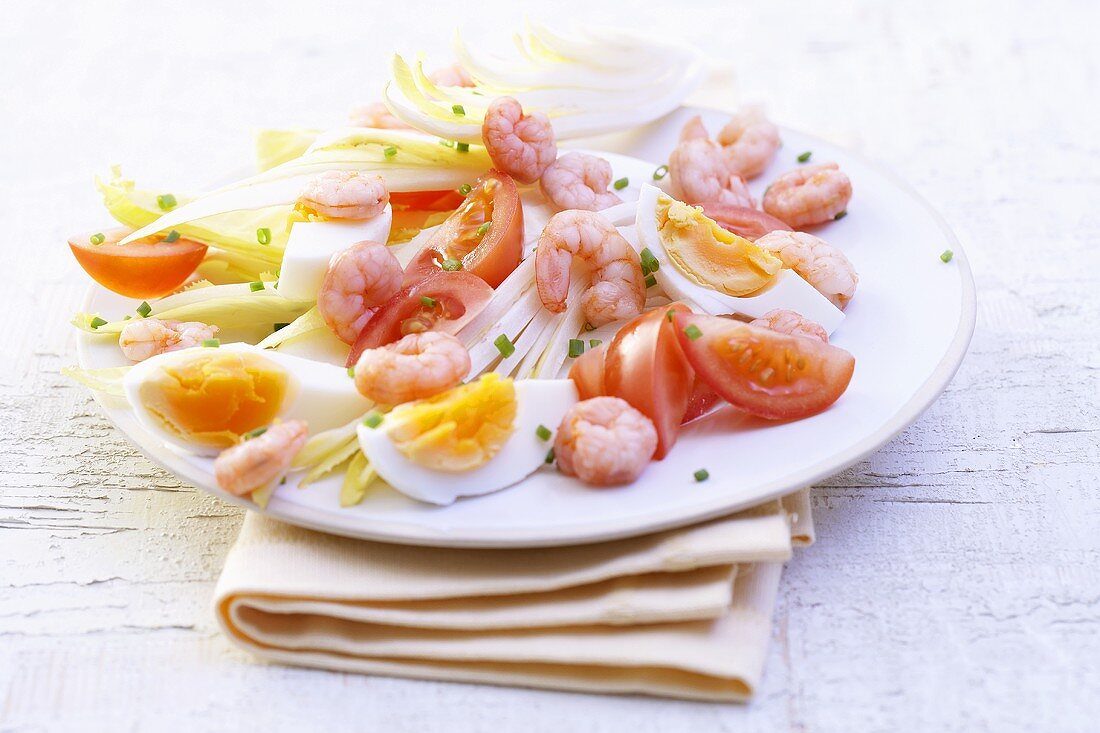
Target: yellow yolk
point(459, 429)
point(213, 399)
point(709, 255)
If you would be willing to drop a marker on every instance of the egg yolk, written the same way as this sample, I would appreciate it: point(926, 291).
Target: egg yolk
point(711, 256)
point(214, 398)
point(459, 429)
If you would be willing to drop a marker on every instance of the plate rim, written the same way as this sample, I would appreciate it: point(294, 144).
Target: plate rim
point(397, 532)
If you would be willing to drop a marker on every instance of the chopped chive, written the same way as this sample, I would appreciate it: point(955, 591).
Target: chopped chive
point(258, 285)
point(144, 309)
point(804, 156)
point(947, 255)
point(701, 475)
point(172, 236)
point(465, 189)
point(282, 481)
point(426, 301)
point(458, 109)
point(692, 332)
point(661, 172)
point(593, 343)
point(211, 343)
point(254, 433)
point(589, 327)
point(97, 322)
point(166, 201)
point(127, 317)
point(504, 345)
point(621, 183)
point(840, 216)
point(649, 262)
point(447, 143)
point(462, 147)
point(452, 265)
point(263, 235)
point(543, 432)
point(373, 419)
point(670, 314)
point(351, 371)
point(389, 151)
point(576, 348)
point(550, 456)
point(278, 326)
point(481, 230)
point(650, 281)
point(97, 238)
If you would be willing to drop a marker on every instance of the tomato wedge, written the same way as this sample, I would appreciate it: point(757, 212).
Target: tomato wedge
point(417, 210)
point(703, 401)
point(744, 221)
point(490, 252)
point(143, 269)
point(442, 302)
point(587, 373)
point(763, 372)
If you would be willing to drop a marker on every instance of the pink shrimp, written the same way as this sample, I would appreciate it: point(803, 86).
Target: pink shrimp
point(699, 173)
point(618, 287)
point(358, 280)
point(141, 339)
point(376, 115)
point(749, 142)
point(789, 322)
point(818, 262)
point(520, 145)
point(451, 76)
point(260, 461)
point(810, 195)
point(419, 365)
point(694, 130)
point(341, 194)
point(579, 181)
point(604, 441)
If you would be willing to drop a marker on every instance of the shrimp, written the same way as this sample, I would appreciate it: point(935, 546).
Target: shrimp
point(260, 461)
point(700, 173)
point(148, 337)
point(693, 129)
point(358, 280)
point(520, 145)
point(604, 441)
point(451, 76)
point(811, 195)
point(819, 263)
point(749, 142)
point(789, 322)
point(618, 289)
point(419, 365)
point(345, 195)
point(377, 115)
point(579, 181)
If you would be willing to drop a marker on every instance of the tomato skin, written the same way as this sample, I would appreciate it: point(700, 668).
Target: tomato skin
point(734, 359)
point(459, 297)
point(703, 401)
point(645, 366)
point(141, 269)
point(427, 200)
point(492, 256)
point(587, 372)
point(743, 221)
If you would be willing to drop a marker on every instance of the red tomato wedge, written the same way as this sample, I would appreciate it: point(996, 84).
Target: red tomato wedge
point(762, 372)
point(703, 401)
point(744, 221)
point(427, 200)
point(143, 269)
point(445, 302)
point(486, 231)
point(587, 373)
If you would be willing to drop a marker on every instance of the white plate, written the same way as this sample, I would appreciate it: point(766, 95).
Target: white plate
point(908, 327)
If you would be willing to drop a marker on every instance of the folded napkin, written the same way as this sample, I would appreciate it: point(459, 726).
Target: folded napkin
point(684, 613)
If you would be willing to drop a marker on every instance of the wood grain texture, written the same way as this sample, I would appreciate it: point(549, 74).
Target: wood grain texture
point(956, 580)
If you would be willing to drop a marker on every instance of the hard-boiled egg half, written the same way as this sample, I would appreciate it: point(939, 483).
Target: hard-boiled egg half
point(203, 399)
point(312, 244)
point(471, 440)
point(719, 271)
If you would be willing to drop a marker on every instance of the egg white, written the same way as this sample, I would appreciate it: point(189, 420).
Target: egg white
point(787, 290)
point(323, 395)
point(539, 402)
point(312, 244)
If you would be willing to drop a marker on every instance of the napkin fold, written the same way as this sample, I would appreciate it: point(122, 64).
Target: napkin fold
point(683, 613)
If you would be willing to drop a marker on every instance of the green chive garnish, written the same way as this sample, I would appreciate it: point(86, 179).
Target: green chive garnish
point(458, 109)
point(840, 216)
point(589, 327)
point(254, 433)
point(804, 156)
point(97, 238)
point(481, 230)
point(692, 332)
point(649, 262)
point(947, 255)
point(258, 285)
point(426, 301)
point(670, 314)
point(144, 309)
point(504, 345)
point(166, 201)
point(462, 147)
point(447, 143)
point(702, 474)
point(97, 322)
point(543, 432)
point(263, 236)
point(550, 456)
point(593, 343)
point(650, 281)
point(373, 419)
point(576, 348)
point(278, 326)
point(211, 343)
point(621, 183)
point(452, 265)
point(661, 172)
point(351, 371)
point(465, 189)
point(172, 236)
point(127, 317)
point(389, 151)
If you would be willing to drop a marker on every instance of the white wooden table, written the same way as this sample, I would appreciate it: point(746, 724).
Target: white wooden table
point(956, 581)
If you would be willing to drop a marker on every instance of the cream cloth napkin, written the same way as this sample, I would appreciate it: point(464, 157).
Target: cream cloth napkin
point(684, 613)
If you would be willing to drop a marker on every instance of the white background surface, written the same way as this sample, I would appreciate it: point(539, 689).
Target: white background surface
point(956, 581)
